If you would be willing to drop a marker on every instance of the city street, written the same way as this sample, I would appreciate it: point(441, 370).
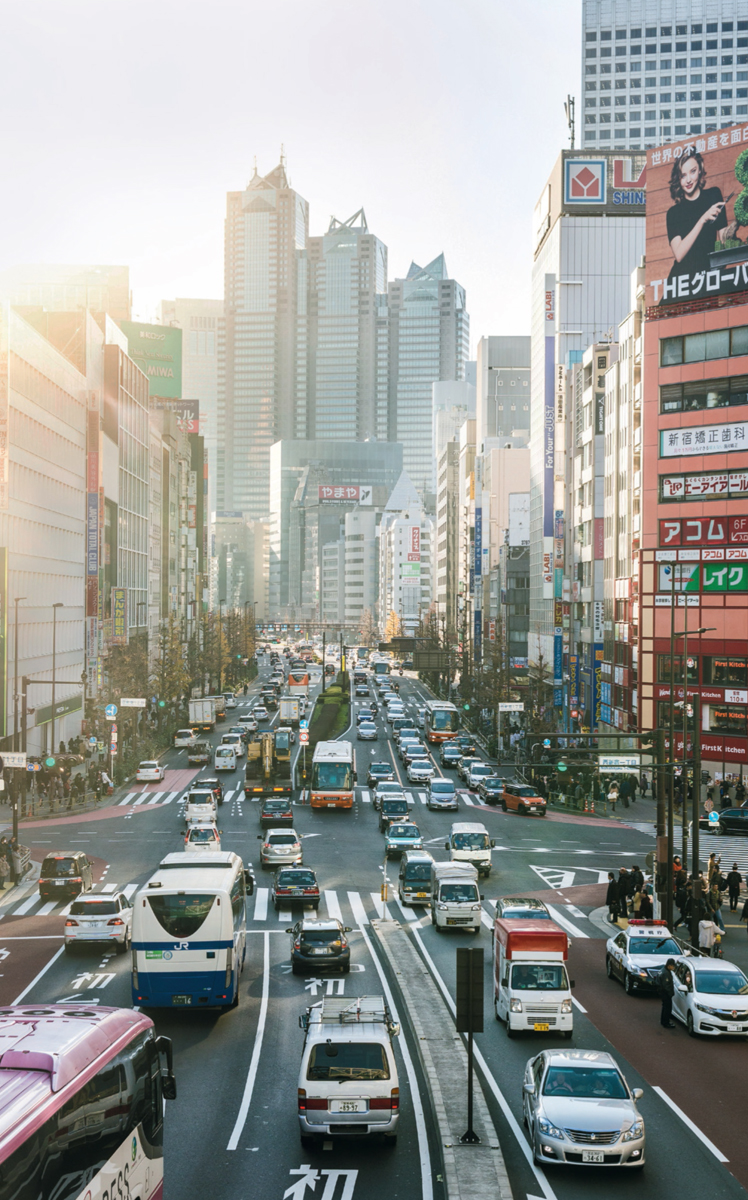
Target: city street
point(237, 1072)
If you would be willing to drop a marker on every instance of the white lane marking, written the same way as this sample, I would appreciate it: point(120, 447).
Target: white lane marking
point(156, 797)
point(564, 923)
point(366, 795)
point(285, 914)
point(359, 912)
point(229, 796)
point(686, 1121)
point(406, 910)
point(333, 908)
point(254, 1061)
point(36, 978)
point(46, 909)
point(27, 905)
point(261, 904)
point(467, 800)
point(170, 797)
point(575, 912)
point(128, 799)
point(143, 798)
point(485, 919)
point(109, 887)
point(427, 1191)
point(548, 1192)
point(130, 890)
point(381, 909)
point(576, 1004)
point(422, 797)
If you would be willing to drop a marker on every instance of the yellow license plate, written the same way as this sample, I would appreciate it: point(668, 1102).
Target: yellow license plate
point(541, 1026)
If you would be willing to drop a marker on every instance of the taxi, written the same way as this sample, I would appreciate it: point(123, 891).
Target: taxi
point(637, 954)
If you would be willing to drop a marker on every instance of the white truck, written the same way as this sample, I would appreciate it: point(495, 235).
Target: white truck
point(202, 715)
point(455, 899)
point(532, 989)
point(348, 1082)
point(289, 711)
point(469, 843)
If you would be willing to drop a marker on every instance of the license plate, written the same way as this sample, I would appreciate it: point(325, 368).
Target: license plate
point(595, 1156)
point(421, 895)
point(348, 1106)
point(319, 951)
point(59, 882)
point(297, 892)
point(734, 1028)
point(332, 806)
point(542, 1027)
point(181, 999)
point(457, 920)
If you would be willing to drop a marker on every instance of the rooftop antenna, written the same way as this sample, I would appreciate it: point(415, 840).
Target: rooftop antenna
point(283, 155)
point(569, 103)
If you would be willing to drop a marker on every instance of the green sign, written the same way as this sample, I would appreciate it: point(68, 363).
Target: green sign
point(44, 714)
point(153, 953)
point(157, 350)
point(50, 762)
point(719, 577)
point(410, 571)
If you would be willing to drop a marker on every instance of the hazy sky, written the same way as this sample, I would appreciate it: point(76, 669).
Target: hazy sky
point(124, 125)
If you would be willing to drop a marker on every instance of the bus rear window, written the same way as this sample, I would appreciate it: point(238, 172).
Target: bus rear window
point(181, 915)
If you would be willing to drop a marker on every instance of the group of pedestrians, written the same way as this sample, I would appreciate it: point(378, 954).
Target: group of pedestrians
point(630, 895)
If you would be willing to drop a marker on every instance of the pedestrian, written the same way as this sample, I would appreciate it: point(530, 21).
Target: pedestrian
point(666, 986)
point(636, 904)
point(5, 860)
point(678, 872)
point(613, 796)
point(734, 880)
point(611, 898)
point(683, 900)
point(15, 860)
point(739, 793)
point(713, 865)
point(646, 911)
point(643, 784)
point(707, 934)
point(638, 878)
point(626, 790)
point(715, 902)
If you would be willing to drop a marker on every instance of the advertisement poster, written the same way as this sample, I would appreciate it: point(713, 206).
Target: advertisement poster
point(119, 616)
point(157, 350)
point(697, 218)
point(549, 415)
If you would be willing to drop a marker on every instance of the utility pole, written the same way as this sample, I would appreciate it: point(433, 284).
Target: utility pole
point(696, 891)
point(324, 643)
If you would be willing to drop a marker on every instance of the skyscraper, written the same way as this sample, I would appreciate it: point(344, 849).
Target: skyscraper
point(428, 333)
point(346, 273)
point(266, 226)
point(654, 72)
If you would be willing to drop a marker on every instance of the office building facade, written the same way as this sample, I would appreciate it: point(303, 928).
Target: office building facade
point(503, 388)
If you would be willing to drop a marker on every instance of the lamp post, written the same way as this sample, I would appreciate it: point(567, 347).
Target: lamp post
point(696, 795)
point(16, 602)
point(55, 607)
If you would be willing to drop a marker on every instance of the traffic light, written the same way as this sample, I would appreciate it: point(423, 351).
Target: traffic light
point(466, 707)
point(50, 762)
point(562, 765)
point(162, 704)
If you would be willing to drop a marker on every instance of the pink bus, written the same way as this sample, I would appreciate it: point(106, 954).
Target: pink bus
point(81, 1103)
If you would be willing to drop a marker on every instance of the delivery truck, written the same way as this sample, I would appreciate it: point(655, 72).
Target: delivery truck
point(289, 711)
point(469, 842)
point(532, 990)
point(202, 715)
point(455, 899)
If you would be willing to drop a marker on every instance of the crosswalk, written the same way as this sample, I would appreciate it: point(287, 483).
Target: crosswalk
point(469, 798)
point(732, 850)
point(355, 908)
point(32, 904)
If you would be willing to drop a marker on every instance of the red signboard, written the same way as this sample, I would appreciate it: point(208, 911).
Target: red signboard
point(414, 554)
point(599, 537)
point(703, 531)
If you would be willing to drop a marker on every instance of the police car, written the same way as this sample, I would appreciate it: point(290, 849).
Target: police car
point(637, 954)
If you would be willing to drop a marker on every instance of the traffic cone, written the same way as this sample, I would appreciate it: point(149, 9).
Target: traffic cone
point(585, 809)
point(592, 804)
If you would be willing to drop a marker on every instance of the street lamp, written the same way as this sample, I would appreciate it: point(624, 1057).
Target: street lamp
point(16, 602)
point(55, 607)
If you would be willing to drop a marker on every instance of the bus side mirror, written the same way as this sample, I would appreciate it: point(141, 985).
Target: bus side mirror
point(493, 843)
point(446, 845)
point(249, 882)
point(168, 1085)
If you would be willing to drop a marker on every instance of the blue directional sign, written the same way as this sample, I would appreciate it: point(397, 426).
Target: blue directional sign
point(714, 818)
point(110, 712)
point(92, 741)
point(303, 724)
point(546, 741)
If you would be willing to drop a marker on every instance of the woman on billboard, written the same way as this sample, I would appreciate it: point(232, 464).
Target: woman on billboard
point(696, 218)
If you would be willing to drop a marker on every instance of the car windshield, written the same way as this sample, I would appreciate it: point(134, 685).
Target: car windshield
point(494, 783)
point(52, 867)
point(348, 1060)
point(303, 879)
point(203, 835)
point(639, 945)
point(477, 769)
point(394, 806)
point(523, 791)
point(331, 775)
point(93, 908)
point(366, 726)
point(722, 983)
point(380, 769)
point(585, 1083)
point(181, 915)
point(443, 787)
point(417, 872)
point(539, 977)
point(470, 841)
point(404, 831)
point(325, 936)
point(458, 893)
point(526, 914)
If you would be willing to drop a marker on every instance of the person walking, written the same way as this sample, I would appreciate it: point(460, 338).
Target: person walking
point(643, 784)
point(611, 898)
point(715, 903)
point(734, 880)
point(666, 986)
point(713, 865)
point(5, 861)
point(646, 911)
point(15, 860)
point(707, 935)
point(683, 900)
point(613, 796)
point(638, 877)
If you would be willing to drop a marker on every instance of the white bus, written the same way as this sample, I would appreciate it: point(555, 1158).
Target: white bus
point(81, 1103)
point(442, 721)
point(333, 775)
point(189, 932)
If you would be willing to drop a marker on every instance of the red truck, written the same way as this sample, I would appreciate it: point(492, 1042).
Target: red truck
point(532, 990)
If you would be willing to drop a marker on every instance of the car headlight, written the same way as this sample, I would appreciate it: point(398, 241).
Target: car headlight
point(442, 907)
point(549, 1130)
point(515, 1006)
point(566, 1006)
point(636, 1131)
point(476, 908)
point(713, 1012)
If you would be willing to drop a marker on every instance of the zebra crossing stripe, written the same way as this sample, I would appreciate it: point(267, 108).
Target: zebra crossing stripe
point(261, 904)
point(407, 912)
point(422, 797)
point(333, 907)
point(359, 912)
point(468, 800)
point(170, 797)
point(143, 798)
point(128, 799)
point(27, 905)
point(109, 887)
point(366, 795)
point(47, 908)
point(285, 914)
point(156, 797)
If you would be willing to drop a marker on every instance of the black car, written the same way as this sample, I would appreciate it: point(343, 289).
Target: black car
point(379, 771)
point(319, 944)
point(214, 784)
point(277, 811)
point(365, 714)
point(65, 875)
point(491, 788)
point(466, 743)
point(294, 885)
point(450, 754)
point(731, 820)
point(362, 689)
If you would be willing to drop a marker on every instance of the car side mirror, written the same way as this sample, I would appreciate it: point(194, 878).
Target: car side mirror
point(682, 987)
point(637, 1093)
point(446, 845)
point(493, 843)
point(572, 983)
point(290, 930)
point(259, 837)
point(529, 1089)
point(168, 1085)
point(347, 929)
point(482, 897)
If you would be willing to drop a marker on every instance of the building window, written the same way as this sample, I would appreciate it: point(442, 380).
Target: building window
point(701, 347)
point(725, 671)
point(704, 394)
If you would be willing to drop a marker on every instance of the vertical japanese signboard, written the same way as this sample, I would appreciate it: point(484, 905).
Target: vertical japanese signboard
point(549, 431)
point(414, 552)
point(119, 616)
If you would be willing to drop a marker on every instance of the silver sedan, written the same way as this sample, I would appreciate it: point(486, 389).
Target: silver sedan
point(280, 848)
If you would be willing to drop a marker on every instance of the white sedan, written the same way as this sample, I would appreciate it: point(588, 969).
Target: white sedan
point(150, 772)
point(420, 770)
point(711, 997)
point(185, 737)
point(202, 837)
point(97, 918)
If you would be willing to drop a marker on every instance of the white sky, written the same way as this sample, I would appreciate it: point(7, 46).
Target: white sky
point(124, 125)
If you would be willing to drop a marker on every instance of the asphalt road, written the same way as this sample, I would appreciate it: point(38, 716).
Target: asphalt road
point(256, 1048)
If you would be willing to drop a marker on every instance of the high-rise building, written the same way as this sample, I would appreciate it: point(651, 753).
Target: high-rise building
point(659, 71)
point(260, 377)
point(453, 402)
point(61, 287)
point(428, 333)
point(503, 390)
point(346, 387)
point(405, 567)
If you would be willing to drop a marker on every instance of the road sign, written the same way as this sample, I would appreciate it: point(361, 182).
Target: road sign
point(114, 737)
point(303, 723)
point(714, 818)
point(110, 712)
point(14, 760)
point(92, 741)
point(33, 766)
point(510, 706)
point(304, 736)
point(619, 764)
point(133, 702)
point(546, 742)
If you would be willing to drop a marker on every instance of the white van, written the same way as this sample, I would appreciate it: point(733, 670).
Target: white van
point(235, 740)
point(225, 758)
point(348, 1082)
point(469, 842)
point(200, 808)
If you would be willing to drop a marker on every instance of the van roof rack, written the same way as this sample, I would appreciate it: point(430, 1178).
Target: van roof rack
point(351, 1011)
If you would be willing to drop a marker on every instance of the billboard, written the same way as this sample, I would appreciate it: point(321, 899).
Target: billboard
point(704, 531)
point(344, 493)
point(187, 412)
point(119, 616)
point(414, 553)
point(697, 218)
point(157, 350)
point(519, 518)
point(605, 181)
